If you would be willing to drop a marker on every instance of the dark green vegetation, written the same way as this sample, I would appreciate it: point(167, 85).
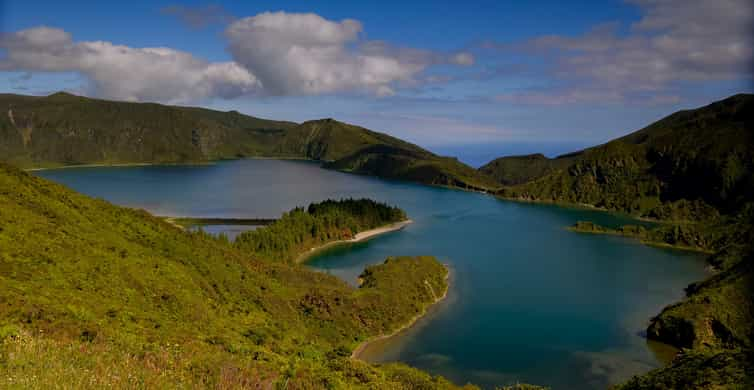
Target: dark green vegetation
point(679, 236)
point(512, 170)
point(688, 166)
point(64, 129)
point(704, 368)
point(694, 171)
point(301, 229)
point(95, 295)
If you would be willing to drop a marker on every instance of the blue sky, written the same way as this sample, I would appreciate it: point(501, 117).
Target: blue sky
point(465, 78)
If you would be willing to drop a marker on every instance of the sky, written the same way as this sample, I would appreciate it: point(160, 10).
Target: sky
point(473, 78)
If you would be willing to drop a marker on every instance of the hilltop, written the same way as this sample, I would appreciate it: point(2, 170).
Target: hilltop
point(64, 129)
point(687, 166)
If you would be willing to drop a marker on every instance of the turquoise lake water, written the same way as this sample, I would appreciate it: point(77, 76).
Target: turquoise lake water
point(529, 300)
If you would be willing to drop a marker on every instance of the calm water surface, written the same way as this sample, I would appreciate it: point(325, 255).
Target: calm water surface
point(529, 301)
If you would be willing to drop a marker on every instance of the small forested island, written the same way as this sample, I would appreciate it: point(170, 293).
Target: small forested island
point(299, 231)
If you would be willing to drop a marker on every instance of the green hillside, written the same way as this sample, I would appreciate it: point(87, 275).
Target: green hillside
point(95, 295)
point(418, 166)
point(687, 166)
point(693, 170)
point(64, 129)
point(512, 170)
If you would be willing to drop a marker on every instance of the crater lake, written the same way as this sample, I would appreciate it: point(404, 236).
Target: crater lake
point(529, 300)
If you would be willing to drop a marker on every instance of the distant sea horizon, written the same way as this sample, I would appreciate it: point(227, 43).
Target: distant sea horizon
point(477, 155)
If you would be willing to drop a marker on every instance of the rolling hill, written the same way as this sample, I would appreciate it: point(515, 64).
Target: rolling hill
point(64, 129)
point(94, 295)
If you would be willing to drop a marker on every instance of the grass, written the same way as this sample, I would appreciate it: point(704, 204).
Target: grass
point(96, 295)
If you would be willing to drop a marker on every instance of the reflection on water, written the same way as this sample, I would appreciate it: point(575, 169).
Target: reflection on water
point(530, 301)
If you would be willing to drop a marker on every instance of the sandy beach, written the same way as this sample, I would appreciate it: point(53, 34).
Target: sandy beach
point(362, 236)
point(361, 347)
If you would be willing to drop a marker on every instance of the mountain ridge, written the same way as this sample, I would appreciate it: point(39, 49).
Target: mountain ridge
point(64, 129)
point(698, 159)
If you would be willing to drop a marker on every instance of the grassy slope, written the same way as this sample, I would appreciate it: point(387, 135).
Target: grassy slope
point(94, 294)
point(64, 129)
point(694, 168)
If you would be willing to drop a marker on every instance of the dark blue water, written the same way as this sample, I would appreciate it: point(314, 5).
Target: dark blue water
point(529, 302)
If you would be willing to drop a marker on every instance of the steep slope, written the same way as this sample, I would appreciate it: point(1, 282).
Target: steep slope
point(687, 166)
point(64, 129)
point(694, 170)
point(95, 295)
point(418, 166)
point(330, 140)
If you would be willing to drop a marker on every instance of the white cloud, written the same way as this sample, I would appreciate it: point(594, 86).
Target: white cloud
point(307, 54)
point(294, 54)
point(274, 53)
point(675, 41)
point(122, 72)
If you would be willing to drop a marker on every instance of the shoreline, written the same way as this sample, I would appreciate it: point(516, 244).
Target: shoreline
point(359, 237)
point(106, 165)
point(656, 244)
point(187, 163)
point(366, 343)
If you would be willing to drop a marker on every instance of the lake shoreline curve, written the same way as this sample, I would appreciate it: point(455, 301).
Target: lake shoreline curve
point(359, 350)
point(359, 237)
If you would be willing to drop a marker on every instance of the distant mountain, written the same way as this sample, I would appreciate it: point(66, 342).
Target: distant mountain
point(64, 129)
point(686, 166)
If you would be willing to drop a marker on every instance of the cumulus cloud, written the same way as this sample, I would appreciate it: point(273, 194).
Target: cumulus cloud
point(306, 54)
point(122, 72)
point(273, 53)
point(675, 41)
